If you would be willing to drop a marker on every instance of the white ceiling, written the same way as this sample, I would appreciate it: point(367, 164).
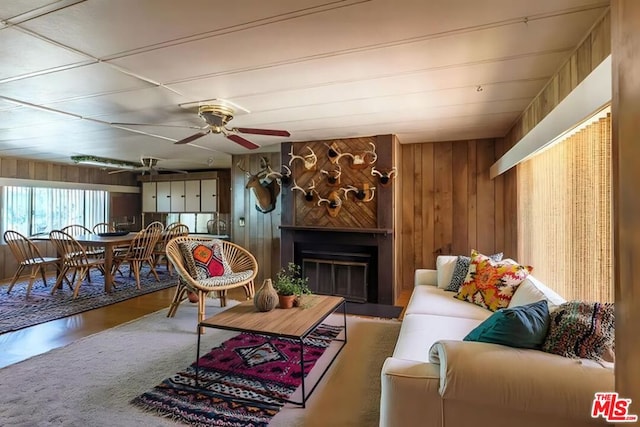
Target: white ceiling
point(320, 69)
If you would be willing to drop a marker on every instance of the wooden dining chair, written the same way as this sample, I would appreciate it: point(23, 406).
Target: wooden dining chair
point(172, 231)
point(28, 256)
point(103, 227)
point(79, 230)
point(139, 252)
point(74, 258)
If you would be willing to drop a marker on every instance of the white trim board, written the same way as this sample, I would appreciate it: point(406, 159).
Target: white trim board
point(590, 96)
point(63, 184)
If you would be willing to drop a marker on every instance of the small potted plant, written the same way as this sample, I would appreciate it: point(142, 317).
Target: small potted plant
point(290, 285)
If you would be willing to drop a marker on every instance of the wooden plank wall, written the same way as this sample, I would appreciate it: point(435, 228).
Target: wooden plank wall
point(260, 234)
point(626, 175)
point(47, 171)
point(448, 203)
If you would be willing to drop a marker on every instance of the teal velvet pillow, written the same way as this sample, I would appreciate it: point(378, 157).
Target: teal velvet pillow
point(524, 326)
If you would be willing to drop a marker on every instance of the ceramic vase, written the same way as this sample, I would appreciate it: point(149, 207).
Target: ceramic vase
point(266, 298)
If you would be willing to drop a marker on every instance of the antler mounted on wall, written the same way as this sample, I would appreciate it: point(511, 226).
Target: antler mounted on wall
point(334, 202)
point(333, 177)
point(364, 194)
point(384, 177)
point(264, 184)
point(309, 161)
point(308, 193)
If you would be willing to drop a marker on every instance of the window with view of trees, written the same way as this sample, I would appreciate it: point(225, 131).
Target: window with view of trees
point(565, 214)
point(33, 210)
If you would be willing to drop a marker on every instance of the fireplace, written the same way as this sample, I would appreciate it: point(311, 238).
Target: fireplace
point(342, 262)
point(337, 272)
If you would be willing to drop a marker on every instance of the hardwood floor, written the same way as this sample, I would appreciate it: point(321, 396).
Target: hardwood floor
point(25, 343)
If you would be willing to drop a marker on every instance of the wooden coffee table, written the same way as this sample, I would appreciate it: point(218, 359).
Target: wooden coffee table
point(294, 323)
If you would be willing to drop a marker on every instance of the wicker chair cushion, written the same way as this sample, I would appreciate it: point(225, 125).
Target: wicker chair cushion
point(205, 259)
point(227, 279)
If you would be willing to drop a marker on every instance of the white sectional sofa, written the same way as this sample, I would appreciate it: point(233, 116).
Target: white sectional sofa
point(436, 379)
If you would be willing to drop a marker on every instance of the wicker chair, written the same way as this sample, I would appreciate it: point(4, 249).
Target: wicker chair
point(238, 258)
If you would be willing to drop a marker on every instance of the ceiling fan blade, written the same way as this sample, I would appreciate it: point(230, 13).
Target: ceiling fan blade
point(244, 142)
point(120, 171)
point(172, 170)
point(193, 137)
point(270, 132)
point(155, 125)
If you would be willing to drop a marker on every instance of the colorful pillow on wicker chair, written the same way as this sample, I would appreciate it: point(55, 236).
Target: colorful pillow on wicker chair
point(491, 284)
point(582, 330)
point(204, 258)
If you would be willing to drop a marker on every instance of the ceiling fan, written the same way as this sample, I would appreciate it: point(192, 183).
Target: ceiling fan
point(146, 165)
point(216, 117)
point(150, 165)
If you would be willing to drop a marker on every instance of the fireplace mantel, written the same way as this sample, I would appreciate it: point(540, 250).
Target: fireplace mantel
point(384, 231)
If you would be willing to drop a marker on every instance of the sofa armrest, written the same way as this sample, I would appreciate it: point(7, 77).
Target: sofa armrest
point(425, 276)
point(520, 379)
point(409, 394)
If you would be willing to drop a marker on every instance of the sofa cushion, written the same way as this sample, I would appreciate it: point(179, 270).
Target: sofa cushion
point(491, 284)
point(581, 329)
point(420, 331)
point(445, 265)
point(431, 300)
point(532, 290)
point(462, 269)
point(524, 326)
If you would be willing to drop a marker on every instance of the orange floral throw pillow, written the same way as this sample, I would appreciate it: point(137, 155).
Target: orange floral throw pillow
point(491, 284)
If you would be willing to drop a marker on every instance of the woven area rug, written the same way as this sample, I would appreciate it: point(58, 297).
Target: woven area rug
point(20, 312)
point(242, 382)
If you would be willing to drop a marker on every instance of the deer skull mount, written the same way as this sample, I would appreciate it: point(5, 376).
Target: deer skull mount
point(334, 203)
point(333, 177)
point(264, 185)
point(384, 177)
point(309, 161)
point(309, 192)
point(364, 194)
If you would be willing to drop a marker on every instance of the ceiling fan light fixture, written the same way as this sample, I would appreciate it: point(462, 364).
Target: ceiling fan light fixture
point(216, 115)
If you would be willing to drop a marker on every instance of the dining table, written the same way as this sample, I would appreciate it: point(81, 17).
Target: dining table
point(108, 241)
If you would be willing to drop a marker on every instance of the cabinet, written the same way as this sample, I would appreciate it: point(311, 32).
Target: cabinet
point(192, 196)
point(209, 195)
point(180, 196)
point(149, 196)
point(163, 196)
point(177, 196)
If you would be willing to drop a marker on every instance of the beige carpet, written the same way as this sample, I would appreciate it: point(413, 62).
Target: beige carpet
point(90, 382)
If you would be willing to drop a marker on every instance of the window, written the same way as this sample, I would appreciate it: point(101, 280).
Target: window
point(34, 210)
point(565, 214)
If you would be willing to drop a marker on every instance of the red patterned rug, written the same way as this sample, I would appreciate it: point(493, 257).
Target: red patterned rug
point(242, 382)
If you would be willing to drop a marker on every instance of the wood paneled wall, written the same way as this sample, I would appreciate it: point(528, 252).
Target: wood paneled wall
point(260, 233)
point(626, 175)
point(447, 203)
point(47, 171)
